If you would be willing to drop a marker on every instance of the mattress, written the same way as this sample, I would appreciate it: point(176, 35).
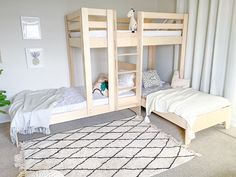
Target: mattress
point(153, 33)
point(75, 98)
point(147, 91)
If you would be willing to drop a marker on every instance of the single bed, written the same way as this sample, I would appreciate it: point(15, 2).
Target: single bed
point(211, 118)
point(190, 109)
point(34, 111)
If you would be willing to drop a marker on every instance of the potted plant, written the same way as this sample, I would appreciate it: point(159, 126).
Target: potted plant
point(3, 98)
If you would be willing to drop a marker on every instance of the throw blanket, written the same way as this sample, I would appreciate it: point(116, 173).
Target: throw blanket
point(186, 103)
point(31, 111)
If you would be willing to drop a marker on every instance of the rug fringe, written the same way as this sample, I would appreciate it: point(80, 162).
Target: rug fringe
point(191, 151)
point(139, 117)
point(22, 174)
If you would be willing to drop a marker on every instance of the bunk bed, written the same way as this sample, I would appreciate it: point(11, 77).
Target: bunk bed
point(83, 30)
point(203, 121)
point(89, 28)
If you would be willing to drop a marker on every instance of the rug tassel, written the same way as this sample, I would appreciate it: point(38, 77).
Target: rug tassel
point(22, 174)
point(191, 151)
point(147, 120)
point(139, 117)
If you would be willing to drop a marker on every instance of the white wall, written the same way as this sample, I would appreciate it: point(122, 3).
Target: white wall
point(17, 76)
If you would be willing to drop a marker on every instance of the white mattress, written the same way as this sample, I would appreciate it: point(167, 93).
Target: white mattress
point(74, 99)
point(156, 33)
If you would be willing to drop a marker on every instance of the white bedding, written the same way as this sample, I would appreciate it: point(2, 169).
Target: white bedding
point(186, 103)
point(156, 33)
point(74, 99)
point(31, 111)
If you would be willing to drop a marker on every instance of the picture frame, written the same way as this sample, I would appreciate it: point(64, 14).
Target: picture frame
point(31, 28)
point(34, 57)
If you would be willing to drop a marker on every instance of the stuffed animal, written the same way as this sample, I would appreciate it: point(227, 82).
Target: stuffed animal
point(132, 21)
point(179, 83)
point(101, 85)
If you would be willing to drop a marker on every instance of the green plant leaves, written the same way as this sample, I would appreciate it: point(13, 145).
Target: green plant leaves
point(3, 98)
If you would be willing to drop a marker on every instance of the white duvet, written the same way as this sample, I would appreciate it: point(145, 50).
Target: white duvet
point(186, 103)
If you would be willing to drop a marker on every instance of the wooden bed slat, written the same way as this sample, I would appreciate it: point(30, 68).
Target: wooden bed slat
point(73, 15)
point(75, 26)
point(75, 42)
point(127, 72)
point(169, 16)
point(126, 66)
point(148, 41)
point(95, 24)
point(152, 26)
point(97, 12)
point(127, 54)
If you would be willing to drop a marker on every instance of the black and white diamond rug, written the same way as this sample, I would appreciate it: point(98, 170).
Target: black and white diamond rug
point(121, 148)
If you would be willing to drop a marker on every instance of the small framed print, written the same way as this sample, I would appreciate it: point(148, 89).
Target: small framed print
point(31, 27)
point(34, 57)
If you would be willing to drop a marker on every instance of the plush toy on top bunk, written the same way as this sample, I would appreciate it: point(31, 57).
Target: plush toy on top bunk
point(132, 22)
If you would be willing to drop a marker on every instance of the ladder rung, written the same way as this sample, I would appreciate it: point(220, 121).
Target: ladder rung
point(127, 72)
point(127, 88)
point(126, 54)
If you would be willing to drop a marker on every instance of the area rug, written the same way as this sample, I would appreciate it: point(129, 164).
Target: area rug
point(121, 148)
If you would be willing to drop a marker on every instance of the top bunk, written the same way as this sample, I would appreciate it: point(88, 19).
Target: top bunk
point(97, 25)
point(167, 28)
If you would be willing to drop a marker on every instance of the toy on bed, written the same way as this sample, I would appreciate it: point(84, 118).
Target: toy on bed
point(177, 82)
point(132, 22)
point(101, 85)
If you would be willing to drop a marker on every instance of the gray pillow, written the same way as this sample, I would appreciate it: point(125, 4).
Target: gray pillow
point(151, 78)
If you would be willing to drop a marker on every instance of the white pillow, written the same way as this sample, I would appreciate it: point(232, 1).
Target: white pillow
point(179, 83)
point(151, 78)
point(124, 81)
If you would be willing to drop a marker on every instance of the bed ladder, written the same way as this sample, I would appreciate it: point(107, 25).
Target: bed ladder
point(124, 67)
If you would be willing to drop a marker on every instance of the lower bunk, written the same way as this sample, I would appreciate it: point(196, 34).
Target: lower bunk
point(34, 111)
point(190, 109)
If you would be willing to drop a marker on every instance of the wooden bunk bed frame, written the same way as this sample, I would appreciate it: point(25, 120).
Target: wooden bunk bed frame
point(83, 21)
point(222, 115)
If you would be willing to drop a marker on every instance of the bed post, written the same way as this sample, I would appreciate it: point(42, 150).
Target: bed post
point(111, 58)
point(139, 64)
point(228, 118)
point(151, 57)
point(87, 58)
point(183, 46)
point(187, 140)
point(69, 55)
